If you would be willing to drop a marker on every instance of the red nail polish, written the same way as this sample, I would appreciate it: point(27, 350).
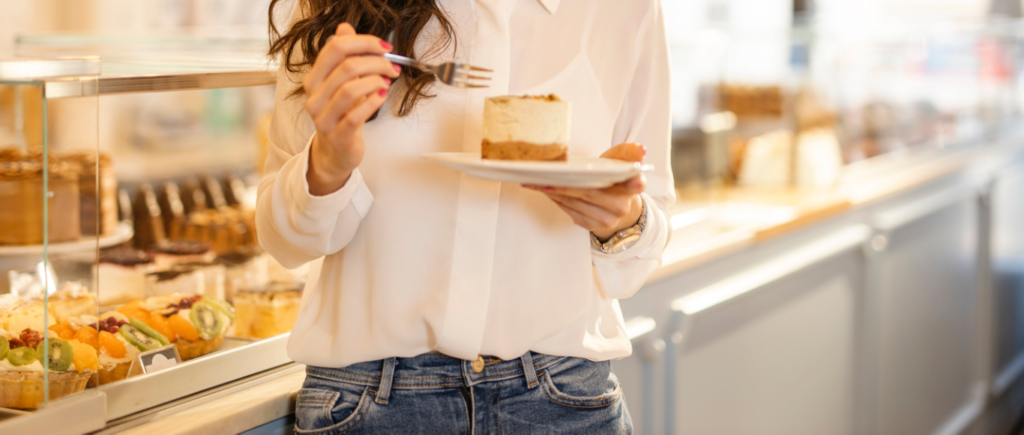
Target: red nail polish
point(398, 68)
point(385, 44)
point(382, 92)
point(549, 188)
point(387, 81)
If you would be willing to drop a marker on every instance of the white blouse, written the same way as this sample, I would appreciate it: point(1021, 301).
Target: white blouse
point(417, 257)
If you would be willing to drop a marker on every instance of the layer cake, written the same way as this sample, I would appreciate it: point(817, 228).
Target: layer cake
point(21, 191)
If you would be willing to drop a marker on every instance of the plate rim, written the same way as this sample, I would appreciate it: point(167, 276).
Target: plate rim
point(510, 165)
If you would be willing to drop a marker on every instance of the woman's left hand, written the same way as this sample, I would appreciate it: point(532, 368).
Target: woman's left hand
point(608, 210)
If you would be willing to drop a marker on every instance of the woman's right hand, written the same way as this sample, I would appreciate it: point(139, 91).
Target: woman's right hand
point(348, 82)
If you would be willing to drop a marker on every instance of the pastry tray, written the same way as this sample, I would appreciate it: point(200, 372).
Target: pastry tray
point(122, 233)
point(234, 360)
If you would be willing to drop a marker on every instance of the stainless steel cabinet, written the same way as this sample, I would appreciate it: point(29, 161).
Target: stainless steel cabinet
point(902, 316)
point(1007, 279)
point(771, 349)
point(927, 292)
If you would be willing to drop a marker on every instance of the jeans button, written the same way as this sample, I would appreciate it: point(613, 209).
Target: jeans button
point(478, 365)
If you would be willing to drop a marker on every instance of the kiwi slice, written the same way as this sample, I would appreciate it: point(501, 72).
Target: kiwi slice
point(222, 306)
point(138, 338)
point(142, 326)
point(5, 347)
point(22, 356)
point(60, 356)
point(204, 317)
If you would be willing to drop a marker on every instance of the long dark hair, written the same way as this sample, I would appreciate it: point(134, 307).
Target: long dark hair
point(399, 21)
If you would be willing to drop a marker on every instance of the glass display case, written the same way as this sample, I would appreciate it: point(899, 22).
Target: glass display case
point(127, 235)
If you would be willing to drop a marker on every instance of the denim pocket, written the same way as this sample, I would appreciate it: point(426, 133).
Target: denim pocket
point(329, 412)
point(591, 386)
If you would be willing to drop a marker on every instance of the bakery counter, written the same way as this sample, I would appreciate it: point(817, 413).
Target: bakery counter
point(794, 309)
point(883, 305)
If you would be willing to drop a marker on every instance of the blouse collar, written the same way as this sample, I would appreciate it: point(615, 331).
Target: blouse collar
point(550, 5)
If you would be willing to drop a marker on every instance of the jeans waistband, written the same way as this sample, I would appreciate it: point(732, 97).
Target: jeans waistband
point(434, 370)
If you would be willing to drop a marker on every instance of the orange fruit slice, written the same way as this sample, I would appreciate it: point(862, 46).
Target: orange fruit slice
point(132, 309)
point(87, 335)
point(111, 345)
point(64, 330)
point(159, 323)
point(183, 328)
point(85, 357)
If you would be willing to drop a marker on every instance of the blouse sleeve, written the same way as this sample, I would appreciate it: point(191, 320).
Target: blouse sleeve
point(294, 225)
point(645, 118)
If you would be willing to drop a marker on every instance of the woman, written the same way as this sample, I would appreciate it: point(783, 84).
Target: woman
point(438, 302)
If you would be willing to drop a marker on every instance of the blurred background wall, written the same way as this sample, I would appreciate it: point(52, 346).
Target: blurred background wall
point(126, 15)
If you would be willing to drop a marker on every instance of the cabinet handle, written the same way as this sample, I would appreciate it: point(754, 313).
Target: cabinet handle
point(893, 219)
point(773, 270)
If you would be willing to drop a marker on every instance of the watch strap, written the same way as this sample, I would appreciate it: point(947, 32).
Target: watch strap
point(624, 238)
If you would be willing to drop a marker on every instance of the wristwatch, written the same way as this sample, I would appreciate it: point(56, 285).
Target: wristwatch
point(622, 239)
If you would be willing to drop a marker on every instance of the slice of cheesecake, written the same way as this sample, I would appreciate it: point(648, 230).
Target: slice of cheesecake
point(526, 128)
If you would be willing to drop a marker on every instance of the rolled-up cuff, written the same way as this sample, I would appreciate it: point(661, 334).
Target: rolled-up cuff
point(353, 192)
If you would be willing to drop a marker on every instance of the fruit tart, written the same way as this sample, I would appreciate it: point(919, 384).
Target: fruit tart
point(18, 313)
point(70, 362)
point(196, 324)
point(115, 338)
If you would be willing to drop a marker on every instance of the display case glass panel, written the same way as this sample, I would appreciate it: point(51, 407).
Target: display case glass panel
point(57, 207)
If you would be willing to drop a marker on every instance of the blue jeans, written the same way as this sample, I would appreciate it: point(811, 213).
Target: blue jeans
point(437, 394)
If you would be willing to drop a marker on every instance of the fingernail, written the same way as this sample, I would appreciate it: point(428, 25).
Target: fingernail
point(398, 68)
point(382, 92)
point(638, 184)
point(643, 150)
point(385, 44)
point(387, 81)
point(549, 188)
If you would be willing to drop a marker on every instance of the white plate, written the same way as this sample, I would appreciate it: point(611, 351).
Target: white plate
point(585, 172)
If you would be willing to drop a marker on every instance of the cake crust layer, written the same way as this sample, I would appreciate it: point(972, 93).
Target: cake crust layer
point(523, 151)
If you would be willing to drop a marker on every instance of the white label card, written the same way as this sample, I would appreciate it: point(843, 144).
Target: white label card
point(152, 361)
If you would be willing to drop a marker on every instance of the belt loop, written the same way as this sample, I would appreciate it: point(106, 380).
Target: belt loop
point(531, 373)
point(386, 376)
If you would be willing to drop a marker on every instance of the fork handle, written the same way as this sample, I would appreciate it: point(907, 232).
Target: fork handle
point(402, 60)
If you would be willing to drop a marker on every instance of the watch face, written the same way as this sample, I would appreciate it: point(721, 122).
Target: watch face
point(625, 243)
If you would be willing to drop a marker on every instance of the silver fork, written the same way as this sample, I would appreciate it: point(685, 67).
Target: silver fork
point(450, 73)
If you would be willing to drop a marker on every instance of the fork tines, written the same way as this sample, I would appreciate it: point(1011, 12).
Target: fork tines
point(463, 78)
point(476, 68)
